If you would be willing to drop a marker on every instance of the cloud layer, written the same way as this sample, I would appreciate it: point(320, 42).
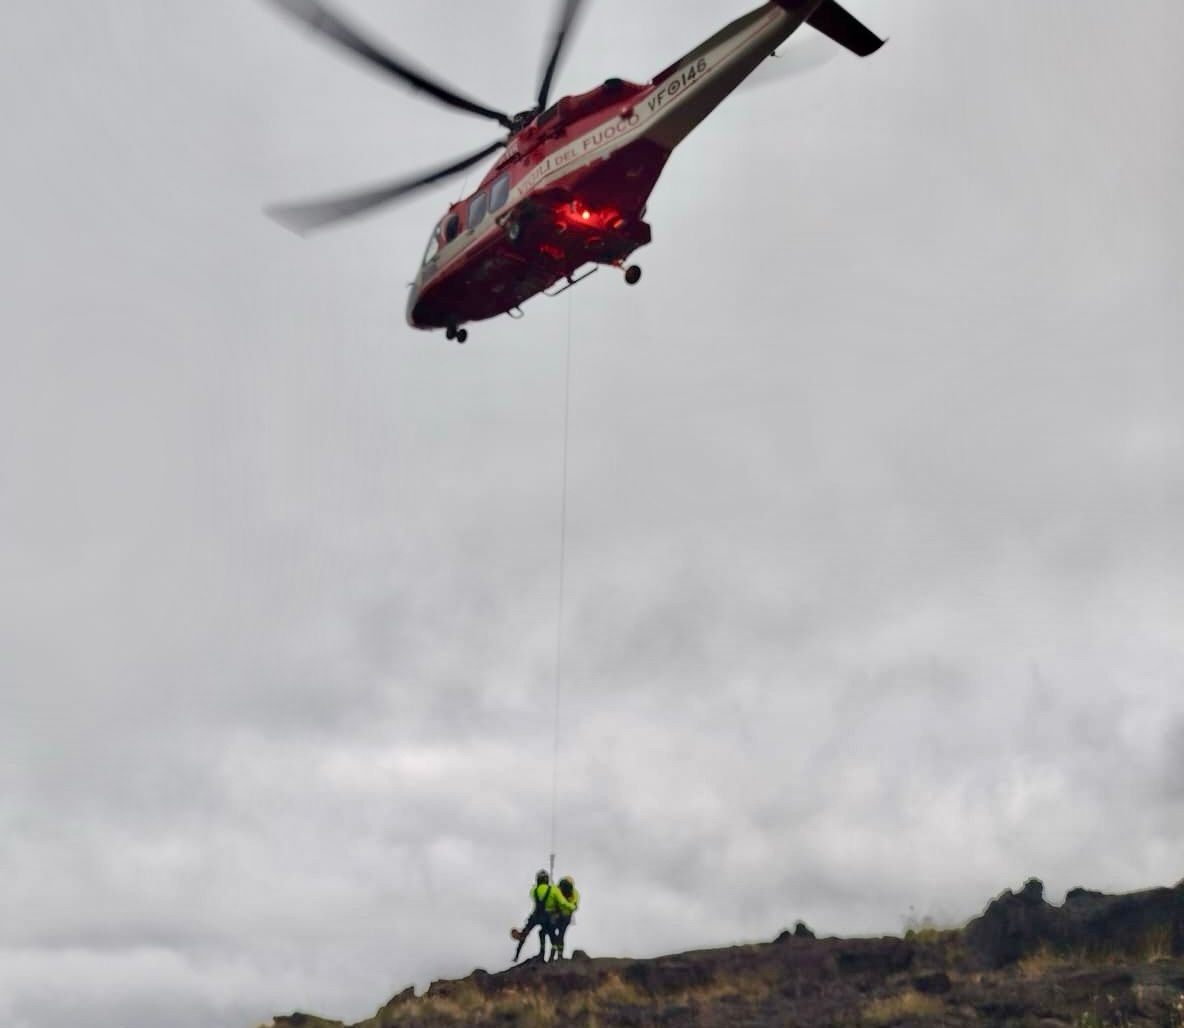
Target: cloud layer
point(874, 554)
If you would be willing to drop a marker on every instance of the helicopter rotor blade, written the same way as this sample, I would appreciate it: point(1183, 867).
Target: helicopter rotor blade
point(309, 215)
point(567, 17)
point(322, 19)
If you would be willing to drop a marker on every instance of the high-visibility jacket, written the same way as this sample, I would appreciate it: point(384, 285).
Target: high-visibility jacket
point(543, 897)
point(564, 906)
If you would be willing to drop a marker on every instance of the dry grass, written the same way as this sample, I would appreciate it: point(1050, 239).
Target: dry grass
point(1044, 960)
point(932, 935)
point(928, 930)
point(614, 992)
point(593, 1007)
point(614, 989)
point(531, 1009)
point(909, 1004)
point(603, 1004)
point(1153, 946)
point(467, 1005)
point(740, 987)
point(1157, 944)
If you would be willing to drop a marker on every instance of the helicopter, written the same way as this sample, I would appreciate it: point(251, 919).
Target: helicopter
point(571, 184)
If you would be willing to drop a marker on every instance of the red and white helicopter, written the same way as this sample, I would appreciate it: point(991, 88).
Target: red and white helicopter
point(571, 186)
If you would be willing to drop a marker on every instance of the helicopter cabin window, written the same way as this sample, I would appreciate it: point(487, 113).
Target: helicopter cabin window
point(451, 227)
point(499, 192)
point(477, 209)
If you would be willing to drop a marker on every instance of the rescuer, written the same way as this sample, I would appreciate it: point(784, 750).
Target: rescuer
point(565, 901)
point(543, 895)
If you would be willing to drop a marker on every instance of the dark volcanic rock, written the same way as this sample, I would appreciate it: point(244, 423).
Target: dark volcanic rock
point(1138, 924)
point(1098, 962)
point(937, 983)
point(658, 977)
point(299, 1020)
point(875, 956)
point(1014, 925)
point(1135, 921)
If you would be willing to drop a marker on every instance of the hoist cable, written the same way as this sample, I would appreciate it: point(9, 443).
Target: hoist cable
point(562, 583)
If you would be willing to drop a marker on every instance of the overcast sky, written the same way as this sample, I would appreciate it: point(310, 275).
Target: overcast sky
point(875, 539)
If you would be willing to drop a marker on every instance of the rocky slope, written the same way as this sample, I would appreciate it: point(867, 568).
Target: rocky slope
point(1097, 960)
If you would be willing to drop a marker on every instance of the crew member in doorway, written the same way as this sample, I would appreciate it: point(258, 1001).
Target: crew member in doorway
point(566, 900)
point(543, 896)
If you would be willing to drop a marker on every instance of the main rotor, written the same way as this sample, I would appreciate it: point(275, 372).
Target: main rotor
point(303, 217)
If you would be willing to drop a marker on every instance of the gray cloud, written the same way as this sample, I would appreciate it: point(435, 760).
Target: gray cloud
point(874, 533)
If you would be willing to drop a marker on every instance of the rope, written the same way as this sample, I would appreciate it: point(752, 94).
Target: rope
point(562, 582)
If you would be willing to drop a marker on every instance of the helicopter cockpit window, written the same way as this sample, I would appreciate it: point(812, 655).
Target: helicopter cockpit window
point(477, 208)
point(499, 192)
point(433, 246)
point(451, 227)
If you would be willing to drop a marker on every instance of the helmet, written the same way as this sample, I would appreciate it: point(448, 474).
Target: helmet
point(567, 886)
point(541, 877)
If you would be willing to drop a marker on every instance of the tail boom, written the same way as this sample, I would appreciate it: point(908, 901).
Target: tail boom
point(691, 88)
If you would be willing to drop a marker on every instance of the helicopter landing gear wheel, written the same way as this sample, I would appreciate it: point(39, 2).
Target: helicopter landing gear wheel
point(450, 332)
point(462, 334)
point(632, 275)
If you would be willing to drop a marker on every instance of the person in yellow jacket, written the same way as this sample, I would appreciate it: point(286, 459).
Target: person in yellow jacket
point(542, 896)
point(565, 900)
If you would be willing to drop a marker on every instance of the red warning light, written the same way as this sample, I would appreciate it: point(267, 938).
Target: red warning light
point(575, 213)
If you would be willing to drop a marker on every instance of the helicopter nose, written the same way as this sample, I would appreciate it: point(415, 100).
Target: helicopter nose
point(412, 300)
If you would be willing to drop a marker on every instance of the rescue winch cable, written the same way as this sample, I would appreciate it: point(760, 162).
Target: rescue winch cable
point(562, 585)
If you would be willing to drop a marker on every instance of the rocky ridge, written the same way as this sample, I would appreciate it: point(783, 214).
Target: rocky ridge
point(1097, 960)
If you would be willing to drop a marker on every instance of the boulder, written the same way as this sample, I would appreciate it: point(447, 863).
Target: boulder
point(800, 931)
point(937, 983)
point(1013, 926)
point(1142, 925)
